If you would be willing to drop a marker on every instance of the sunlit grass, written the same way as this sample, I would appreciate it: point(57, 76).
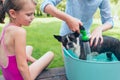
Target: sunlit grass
point(40, 36)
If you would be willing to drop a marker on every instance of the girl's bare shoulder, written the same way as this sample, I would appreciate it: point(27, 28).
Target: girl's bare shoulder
point(15, 30)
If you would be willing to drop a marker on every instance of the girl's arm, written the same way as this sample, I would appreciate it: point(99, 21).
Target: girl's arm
point(31, 59)
point(29, 50)
point(20, 52)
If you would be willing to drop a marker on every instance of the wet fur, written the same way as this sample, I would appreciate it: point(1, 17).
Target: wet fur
point(109, 46)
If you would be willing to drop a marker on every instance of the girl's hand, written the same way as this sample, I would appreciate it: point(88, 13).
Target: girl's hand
point(74, 24)
point(96, 34)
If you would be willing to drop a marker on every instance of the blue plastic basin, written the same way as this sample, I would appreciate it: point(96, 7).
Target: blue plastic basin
point(97, 69)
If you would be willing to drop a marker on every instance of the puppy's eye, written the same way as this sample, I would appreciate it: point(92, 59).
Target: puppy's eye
point(65, 40)
point(72, 38)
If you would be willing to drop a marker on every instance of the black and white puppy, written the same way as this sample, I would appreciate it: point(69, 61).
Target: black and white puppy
point(70, 41)
point(109, 46)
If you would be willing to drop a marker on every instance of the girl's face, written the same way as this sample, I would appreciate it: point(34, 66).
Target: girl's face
point(25, 15)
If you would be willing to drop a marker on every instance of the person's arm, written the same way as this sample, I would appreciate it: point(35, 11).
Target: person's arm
point(20, 52)
point(72, 22)
point(107, 22)
point(29, 50)
point(97, 33)
point(105, 12)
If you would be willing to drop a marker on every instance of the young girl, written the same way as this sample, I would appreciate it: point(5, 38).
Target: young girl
point(13, 51)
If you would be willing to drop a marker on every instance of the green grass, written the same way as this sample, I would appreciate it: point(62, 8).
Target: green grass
point(40, 36)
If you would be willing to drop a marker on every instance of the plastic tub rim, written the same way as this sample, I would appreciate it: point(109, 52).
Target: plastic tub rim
point(87, 61)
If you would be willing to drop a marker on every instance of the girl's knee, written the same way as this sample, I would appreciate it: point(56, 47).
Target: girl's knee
point(29, 50)
point(50, 54)
point(29, 47)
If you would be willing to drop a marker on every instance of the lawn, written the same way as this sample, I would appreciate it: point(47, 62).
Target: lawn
point(40, 36)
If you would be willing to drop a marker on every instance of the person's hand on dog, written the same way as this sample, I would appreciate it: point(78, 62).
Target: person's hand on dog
point(74, 24)
point(96, 35)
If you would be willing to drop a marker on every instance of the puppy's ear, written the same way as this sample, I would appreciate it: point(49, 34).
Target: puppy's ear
point(59, 38)
point(76, 34)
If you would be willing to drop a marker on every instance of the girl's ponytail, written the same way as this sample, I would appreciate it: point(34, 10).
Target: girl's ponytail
point(2, 12)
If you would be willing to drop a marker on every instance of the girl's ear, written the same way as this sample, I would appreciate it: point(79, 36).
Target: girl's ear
point(12, 13)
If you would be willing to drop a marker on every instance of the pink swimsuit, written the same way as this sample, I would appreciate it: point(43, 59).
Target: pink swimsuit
point(10, 72)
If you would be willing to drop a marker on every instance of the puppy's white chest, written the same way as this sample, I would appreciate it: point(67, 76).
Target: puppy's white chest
point(77, 48)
